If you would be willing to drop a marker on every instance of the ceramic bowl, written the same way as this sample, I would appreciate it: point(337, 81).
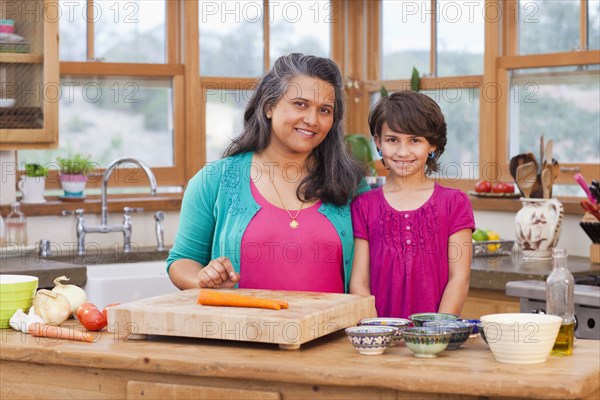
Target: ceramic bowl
point(481, 331)
point(421, 318)
point(475, 323)
point(371, 339)
point(521, 338)
point(399, 323)
point(16, 291)
point(426, 341)
point(461, 331)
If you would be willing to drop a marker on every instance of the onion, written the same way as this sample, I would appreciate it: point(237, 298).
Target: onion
point(74, 294)
point(54, 308)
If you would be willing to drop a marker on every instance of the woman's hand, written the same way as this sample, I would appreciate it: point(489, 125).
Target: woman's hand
point(218, 273)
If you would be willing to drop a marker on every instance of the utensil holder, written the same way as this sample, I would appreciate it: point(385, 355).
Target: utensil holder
point(595, 253)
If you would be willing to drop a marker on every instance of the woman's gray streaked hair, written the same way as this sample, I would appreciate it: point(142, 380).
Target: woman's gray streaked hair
point(334, 174)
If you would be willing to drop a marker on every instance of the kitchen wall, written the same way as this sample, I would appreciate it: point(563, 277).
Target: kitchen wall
point(61, 230)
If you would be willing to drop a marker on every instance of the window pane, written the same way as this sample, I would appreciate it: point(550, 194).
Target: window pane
point(460, 37)
point(130, 31)
point(231, 38)
point(110, 118)
point(301, 27)
point(594, 25)
point(461, 112)
point(548, 26)
point(73, 30)
point(406, 36)
point(563, 106)
point(224, 119)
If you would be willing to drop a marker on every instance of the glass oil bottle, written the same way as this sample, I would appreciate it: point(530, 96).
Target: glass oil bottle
point(560, 288)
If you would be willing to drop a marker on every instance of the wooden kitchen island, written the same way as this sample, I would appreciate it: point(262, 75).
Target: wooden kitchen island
point(329, 367)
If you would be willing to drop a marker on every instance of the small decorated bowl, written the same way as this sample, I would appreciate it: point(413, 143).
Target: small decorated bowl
point(473, 322)
point(371, 339)
point(421, 318)
point(399, 323)
point(461, 331)
point(426, 341)
point(481, 331)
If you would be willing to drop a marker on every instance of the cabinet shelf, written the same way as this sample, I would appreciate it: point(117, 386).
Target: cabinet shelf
point(21, 58)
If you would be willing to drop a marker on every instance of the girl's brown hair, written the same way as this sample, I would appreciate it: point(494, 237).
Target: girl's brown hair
point(413, 113)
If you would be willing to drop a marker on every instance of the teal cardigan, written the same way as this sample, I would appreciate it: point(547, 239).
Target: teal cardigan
point(218, 206)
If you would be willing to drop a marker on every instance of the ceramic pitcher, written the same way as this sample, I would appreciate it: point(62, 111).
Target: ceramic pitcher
point(537, 226)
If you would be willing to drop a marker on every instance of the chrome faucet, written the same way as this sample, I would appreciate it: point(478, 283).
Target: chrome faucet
point(159, 217)
point(126, 226)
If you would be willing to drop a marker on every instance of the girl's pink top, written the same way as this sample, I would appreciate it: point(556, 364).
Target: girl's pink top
point(277, 257)
point(409, 249)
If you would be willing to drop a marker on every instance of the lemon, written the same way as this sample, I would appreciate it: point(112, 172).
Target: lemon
point(493, 236)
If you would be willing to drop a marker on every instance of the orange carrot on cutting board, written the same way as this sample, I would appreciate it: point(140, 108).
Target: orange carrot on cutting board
point(216, 298)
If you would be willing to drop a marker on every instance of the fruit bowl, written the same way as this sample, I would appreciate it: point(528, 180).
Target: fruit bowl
point(489, 248)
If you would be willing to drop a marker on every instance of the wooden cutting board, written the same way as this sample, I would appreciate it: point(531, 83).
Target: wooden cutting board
point(309, 316)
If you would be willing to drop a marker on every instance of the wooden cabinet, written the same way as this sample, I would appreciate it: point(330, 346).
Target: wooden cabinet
point(29, 74)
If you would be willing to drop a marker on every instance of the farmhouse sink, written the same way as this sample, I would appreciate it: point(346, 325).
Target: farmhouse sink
point(122, 283)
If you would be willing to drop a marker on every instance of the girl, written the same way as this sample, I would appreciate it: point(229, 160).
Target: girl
point(412, 235)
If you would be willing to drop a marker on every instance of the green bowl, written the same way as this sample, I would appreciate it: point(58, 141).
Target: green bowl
point(426, 341)
point(421, 318)
point(16, 291)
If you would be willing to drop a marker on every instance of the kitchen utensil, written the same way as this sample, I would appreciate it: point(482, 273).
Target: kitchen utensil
point(542, 147)
point(526, 177)
point(595, 190)
point(547, 183)
point(548, 153)
point(518, 160)
point(592, 229)
point(590, 207)
point(581, 180)
point(310, 315)
point(555, 170)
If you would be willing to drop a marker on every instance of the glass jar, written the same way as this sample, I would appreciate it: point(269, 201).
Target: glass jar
point(16, 226)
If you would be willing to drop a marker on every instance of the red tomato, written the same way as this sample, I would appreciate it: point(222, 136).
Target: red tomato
point(503, 187)
point(84, 306)
point(105, 310)
point(91, 318)
point(483, 186)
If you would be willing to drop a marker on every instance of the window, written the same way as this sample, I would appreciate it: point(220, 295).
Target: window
point(236, 47)
point(121, 86)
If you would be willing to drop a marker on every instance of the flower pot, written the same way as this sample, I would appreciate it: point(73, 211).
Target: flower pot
point(537, 226)
point(73, 185)
point(32, 188)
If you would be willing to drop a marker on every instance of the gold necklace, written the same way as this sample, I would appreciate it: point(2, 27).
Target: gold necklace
point(294, 222)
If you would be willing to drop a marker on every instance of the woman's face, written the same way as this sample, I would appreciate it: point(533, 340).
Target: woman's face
point(302, 118)
point(404, 154)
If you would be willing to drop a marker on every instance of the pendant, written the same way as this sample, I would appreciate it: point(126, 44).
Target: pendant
point(294, 224)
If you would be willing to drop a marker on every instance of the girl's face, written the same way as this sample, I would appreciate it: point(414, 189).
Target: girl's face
point(302, 118)
point(403, 153)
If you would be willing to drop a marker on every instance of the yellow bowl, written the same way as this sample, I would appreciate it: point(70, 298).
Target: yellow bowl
point(16, 291)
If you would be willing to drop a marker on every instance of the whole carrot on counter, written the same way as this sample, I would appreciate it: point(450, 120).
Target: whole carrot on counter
point(56, 332)
point(216, 298)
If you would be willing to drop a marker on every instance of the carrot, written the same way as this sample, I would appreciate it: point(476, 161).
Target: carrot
point(215, 298)
point(56, 332)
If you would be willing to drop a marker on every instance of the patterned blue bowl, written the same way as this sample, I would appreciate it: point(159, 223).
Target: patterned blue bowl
point(426, 341)
point(371, 339)
point(399, 323)
point(461, 331)
point(420, 318)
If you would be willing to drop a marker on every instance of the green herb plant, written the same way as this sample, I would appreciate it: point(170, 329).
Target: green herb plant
point(36, 170)
point(76, 164)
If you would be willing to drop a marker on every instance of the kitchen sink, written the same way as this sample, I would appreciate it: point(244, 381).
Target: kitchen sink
point(122, 283)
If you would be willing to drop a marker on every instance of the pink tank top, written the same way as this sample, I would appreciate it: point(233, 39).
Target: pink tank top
point(277, 257)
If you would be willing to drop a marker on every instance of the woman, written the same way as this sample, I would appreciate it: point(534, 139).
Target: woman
point(274, 212)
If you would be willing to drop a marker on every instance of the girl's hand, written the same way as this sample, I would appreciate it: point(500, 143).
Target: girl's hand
point(218, 273)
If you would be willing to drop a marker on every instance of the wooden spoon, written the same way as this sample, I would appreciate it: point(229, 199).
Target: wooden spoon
point(526, 177)
point(547, 182)
point(518, 160)
point(548, 153)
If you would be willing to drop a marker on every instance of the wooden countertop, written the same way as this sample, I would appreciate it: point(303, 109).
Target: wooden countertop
point(107, 368)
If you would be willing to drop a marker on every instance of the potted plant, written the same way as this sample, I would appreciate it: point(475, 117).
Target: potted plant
point(73, 174)
point(33, 183)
